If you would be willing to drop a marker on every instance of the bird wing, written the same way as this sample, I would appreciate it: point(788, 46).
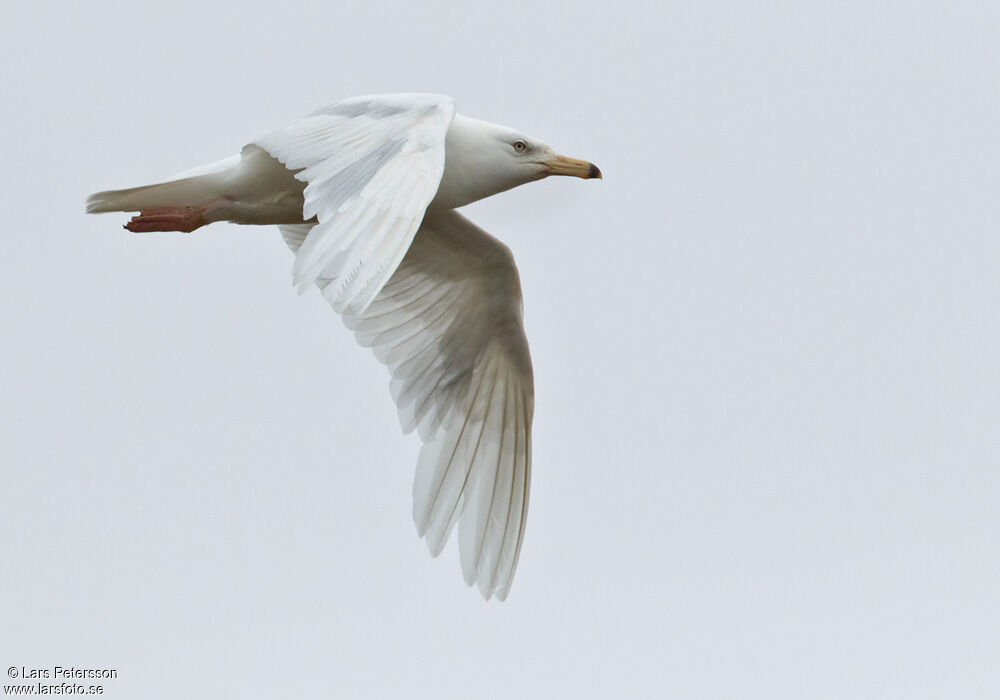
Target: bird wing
point(371, 166)
point(448, 325)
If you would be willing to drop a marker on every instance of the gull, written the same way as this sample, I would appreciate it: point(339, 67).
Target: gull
point(364, 192)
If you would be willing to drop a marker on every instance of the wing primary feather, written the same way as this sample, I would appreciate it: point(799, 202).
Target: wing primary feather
point(440, 503)
point(438, 475)
point(472, 470)
point(525, 481)
point(482, 515)
point(493, 582)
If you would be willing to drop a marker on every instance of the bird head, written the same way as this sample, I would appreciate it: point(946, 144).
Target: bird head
point(483, 159)
point(535, 160)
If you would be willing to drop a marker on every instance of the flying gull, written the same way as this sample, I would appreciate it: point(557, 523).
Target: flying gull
point(364, 193)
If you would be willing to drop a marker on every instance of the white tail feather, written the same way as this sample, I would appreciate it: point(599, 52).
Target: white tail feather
point(189, 192)
point(251, 188)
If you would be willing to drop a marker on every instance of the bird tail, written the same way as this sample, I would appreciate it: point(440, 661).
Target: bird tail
point(191, 188)
point(187, 192)
point(178, 204)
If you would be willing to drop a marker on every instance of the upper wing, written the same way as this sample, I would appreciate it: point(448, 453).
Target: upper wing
point(448, 326)
point(372, 165)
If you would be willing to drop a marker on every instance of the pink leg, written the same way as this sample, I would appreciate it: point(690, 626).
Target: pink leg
point(185, 219)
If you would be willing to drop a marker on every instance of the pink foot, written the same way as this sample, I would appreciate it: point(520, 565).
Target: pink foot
point(185, 219)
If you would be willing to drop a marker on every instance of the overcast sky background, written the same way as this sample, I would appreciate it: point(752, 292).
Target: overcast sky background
point(766, 350)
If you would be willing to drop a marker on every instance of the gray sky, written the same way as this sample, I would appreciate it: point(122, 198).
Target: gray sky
point(765, 347)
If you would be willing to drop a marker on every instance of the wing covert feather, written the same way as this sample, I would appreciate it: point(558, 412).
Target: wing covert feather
point(371, 166)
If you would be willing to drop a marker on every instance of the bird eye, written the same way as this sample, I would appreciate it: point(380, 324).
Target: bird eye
point(520, 146)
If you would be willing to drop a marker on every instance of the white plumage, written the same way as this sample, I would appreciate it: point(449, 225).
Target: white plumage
point(364, 193)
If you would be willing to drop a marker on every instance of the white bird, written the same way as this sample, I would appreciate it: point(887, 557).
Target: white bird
point(364, 192)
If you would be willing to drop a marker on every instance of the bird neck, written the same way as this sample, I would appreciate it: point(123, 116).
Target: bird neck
point(474, 166)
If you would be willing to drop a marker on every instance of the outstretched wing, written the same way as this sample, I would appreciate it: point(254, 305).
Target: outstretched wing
point(371, 166)
point(448, 326)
